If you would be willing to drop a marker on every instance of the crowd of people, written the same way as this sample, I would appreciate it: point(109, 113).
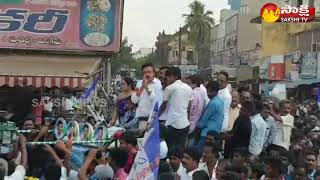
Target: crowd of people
point(208, 130)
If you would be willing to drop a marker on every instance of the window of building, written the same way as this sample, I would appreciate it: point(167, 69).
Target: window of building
point(316, 47)
point(190, 57)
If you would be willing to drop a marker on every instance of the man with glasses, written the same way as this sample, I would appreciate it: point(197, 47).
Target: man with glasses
point(148, 91)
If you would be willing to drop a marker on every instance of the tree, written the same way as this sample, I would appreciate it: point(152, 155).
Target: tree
point(199, 23)
point(124, 58)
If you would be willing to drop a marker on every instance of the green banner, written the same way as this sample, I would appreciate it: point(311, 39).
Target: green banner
point(11, 1)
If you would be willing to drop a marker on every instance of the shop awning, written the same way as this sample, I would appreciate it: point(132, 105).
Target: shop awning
point(44, 70)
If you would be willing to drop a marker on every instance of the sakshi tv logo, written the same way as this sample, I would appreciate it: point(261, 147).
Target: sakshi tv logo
point(272, 13)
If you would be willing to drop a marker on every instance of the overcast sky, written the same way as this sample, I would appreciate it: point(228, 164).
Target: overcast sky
point(144, 19)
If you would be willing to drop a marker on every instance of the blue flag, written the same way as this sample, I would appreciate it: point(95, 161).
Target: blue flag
point(146, 163)
point(87, 95)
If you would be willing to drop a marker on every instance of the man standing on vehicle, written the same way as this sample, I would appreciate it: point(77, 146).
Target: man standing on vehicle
point(148, 91)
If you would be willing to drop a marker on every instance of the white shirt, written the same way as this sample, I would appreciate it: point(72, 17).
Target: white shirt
point(203, 166)
point(18, 174)
point(204, 93)
point(188, 176)
point(225, 95)
point(64, 173)
point(163, 149)
point(283, 131)
point(164, 115)
point(178, 95)
point(73, 175)
point(145, 101)
point(258, 134)
point(181, 170)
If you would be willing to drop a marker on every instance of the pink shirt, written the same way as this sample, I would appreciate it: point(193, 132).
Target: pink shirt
point(197, 105)
point(120, 175)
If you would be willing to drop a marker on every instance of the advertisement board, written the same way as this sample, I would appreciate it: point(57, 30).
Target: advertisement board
point(309, 66)
point(61, 25)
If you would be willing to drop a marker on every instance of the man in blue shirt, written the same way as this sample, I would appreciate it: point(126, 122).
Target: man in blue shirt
point(212, 117)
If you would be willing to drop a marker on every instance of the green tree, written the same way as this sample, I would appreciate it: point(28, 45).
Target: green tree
point(124, 58)
point(199, 22)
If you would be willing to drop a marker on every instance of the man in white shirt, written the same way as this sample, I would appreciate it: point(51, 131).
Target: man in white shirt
point(163, 79)
point(284, 125)
point(175, 157)
point(148, 91)
point(190, 161)
point(210, 158)
point(178, 96)
point(258, 131)
point(224, 94)
point(20, 170)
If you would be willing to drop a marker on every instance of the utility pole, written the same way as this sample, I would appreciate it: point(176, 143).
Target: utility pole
point(179, 45)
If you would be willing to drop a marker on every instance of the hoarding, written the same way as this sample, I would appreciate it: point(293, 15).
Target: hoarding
point(309, 66)
point(61, 25)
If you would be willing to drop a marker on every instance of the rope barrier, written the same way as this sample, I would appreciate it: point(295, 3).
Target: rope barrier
point(29, 131)
point(74, 142)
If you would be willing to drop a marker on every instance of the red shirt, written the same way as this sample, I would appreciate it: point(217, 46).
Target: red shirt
point(131, 157)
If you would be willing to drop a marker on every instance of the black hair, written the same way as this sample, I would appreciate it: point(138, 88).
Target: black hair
point(176, 152)
point(283, 102)
point(259, 169)
point(85, 126)
point(249, 107)
point(119, 157)
point(129, 81)
point(164, 67)
point(231, 176)
point(241, 150)
point(259, 106)
point(200, 175)
point(167, 176)
point(193, 153)
point(224, 74)
point(310, 152)
point(148, 65)
point(60, 122)
point(241, 169)
point(174, 71)
point(212, 86)
point(275, 163)
point(52, 170)
point(129, 138)
point(164, 167)
point(195, 79)
point(213, 133)
point(214, 148)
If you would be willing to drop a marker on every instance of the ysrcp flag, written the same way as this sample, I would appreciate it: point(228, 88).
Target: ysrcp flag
point(88, 94)
point(146, 163)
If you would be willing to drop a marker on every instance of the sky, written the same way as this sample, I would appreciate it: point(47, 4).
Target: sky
point(144, 19)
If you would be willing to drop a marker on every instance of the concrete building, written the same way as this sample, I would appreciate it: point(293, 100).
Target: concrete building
point(186, 49)
point(143, 52)
point(175, 49)
point(162, 47)
point(235, 41)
